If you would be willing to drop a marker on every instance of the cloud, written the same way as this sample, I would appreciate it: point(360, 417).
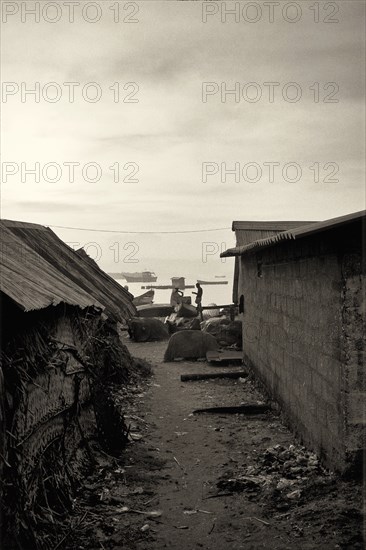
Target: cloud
point(170, 132)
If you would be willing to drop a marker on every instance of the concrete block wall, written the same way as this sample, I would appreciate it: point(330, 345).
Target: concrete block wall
point(293, 337)
point(354, 354)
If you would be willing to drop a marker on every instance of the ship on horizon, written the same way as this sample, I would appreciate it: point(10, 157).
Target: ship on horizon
point(140, 277)
point(203, 282)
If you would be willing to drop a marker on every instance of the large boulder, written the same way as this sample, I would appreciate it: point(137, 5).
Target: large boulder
point(226, 332)
point(189, 344)
point(145, 329)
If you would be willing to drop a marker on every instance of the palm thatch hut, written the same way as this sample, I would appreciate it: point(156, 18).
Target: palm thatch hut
point(60, 350)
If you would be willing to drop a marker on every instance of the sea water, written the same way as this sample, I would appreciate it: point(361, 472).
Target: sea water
point(212, 294)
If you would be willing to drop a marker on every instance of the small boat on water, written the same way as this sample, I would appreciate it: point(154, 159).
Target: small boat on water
point(154, 310)
point(185, 309)
point(140, 277)
point(143, 299)
point(212, 282)
point(220, 276)
point(167, 287)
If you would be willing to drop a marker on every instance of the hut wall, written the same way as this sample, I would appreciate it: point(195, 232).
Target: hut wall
point(2, 444)
point(49, 410)
point(303, 338)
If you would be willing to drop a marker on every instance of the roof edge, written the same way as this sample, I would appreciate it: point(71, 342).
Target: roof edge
point(297, 233)
point(274, 225)
point(25, 225)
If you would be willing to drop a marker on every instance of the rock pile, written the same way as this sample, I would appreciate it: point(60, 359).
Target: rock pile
point(227, 332)
point(292, 462)
point(282, 472)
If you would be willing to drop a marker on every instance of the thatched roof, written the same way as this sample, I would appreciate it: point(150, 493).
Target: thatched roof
point(38, 270)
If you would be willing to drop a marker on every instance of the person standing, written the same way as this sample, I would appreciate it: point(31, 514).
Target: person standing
point(198, 299)
point(176, 297)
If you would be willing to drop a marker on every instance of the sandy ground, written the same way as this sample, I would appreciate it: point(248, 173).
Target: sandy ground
point(177, 468)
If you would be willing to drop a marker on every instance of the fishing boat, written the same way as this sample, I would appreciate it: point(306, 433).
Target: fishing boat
point(212, 282)
point(220, 276)
point(155, 310)
point(145, 298)
point(166, 287)
point(140, 277)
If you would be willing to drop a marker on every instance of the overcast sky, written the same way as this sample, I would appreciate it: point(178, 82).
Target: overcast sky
point(170, 132)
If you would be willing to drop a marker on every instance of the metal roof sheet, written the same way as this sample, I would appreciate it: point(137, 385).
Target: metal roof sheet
point(295, 233)
point(267, 225)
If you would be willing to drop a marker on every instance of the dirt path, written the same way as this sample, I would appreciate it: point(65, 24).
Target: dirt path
point(196, 447)
point(177, 460)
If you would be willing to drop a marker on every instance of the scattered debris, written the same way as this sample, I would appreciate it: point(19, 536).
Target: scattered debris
point(225, 356)
point(283, 473)
point(207, 376)
point(195, 511)
point(136, 491)
point(256, 513)
point(218, 495)
point(258, 519)
point(294, 495)
point(134, 436)
point(150, 501)
point(249, 484)
point(126, 509)
point(245, 408)
point(177, 461)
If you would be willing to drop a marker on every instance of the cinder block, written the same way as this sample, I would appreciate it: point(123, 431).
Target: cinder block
point(297, 308)
point(306, 309)
point(304, 269)
point(299, 291)
point(289, 306)
point(356, 402)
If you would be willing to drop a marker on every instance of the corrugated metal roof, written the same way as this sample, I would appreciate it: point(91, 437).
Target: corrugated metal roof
point(296, 233)
point(267, 225)
point(251, 231)
point(39, 269)
point(247, 232)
